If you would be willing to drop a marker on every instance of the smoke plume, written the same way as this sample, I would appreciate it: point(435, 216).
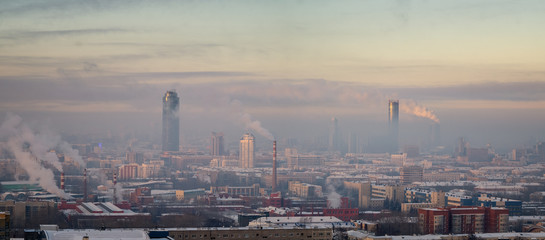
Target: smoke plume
point(256, 126)
point(239, 115)
point(333, 197)
point(33, 152)
point(411, 107)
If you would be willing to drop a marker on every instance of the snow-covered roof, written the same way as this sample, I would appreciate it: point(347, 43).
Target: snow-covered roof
point(113, 234)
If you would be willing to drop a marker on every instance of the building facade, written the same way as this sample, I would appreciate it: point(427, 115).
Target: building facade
point(246, 151)
point(252, 233)
point(463, 220)
point(393, 123)
point(410, 174)
point(217, 144)
point(171, 122)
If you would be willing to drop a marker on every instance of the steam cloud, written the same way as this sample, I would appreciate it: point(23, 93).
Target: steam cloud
point(256, 126)
point(309, 93)
point(102, 179)
point(333, 197)
point(411, 107)
point(38, 156)
point(249, 123)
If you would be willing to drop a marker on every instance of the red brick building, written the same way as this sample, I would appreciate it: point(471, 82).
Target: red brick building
point(463, 220)
point(433, 220)
point(497, 219)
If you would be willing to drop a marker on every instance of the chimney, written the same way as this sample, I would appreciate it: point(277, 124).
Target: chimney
point(274, 167)
point(62, 181)
point(85, 185)
point(115, 188)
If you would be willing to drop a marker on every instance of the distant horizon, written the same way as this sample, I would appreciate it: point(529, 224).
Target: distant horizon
point(83, 67)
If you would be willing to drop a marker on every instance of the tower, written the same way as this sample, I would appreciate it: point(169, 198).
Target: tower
point(434, 135)
point(216, 142)
point(171, 122)
point(393, 123)
point(246, 151)
point(334, 135)
point(274, 178)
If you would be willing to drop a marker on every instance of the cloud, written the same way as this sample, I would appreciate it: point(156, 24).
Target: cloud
point(499, 91)
point(90, 88)
point(33, 35)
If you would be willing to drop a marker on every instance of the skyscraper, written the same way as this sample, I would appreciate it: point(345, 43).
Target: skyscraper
point(393, 123)
point(216, 142)
point(246, 151)
point(334, 136)
point(171, 122)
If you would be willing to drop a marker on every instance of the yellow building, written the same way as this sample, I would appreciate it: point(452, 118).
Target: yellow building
point(189, 194)
point(4, 225)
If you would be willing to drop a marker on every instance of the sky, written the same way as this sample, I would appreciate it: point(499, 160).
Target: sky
point(103, 66)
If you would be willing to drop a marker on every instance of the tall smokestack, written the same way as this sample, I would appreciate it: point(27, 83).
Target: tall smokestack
point(274, 167)
point(85, 185)
point(115, 188)
point(62, 181)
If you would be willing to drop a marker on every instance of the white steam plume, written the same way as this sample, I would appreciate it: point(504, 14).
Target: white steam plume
point(67, 149)
point(256, 126)
point(411, 107)
point(118, 192)
point(38, 153)
point(333, 197)
point(248, 121)
point(31, 160)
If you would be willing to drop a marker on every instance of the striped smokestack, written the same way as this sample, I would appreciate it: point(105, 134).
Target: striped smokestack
point(274, 167)
point(62, 181)
point(115, 188)
point(85, 185)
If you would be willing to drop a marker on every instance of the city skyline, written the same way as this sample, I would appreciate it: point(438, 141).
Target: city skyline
point(97, 67)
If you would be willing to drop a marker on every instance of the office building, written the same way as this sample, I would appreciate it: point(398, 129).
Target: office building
point(334, 136)
point(540, 151)
point(216, 144)
point(393, 123)
point(246, 151)
point(410, 174)
point(171, 122)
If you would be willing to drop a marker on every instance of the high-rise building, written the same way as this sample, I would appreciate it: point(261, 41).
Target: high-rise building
point(434, 135)
point(334, 136)
point(540, 151)
point(216, 142)
point(246, 151)
point(461, 148)
point(410, 174)
point(393, 123)
point(171, 122)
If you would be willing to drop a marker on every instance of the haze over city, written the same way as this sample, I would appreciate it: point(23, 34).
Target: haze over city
point(288, 120)
point(99, 66)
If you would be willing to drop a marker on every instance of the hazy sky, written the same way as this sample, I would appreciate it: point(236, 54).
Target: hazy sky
point(94, 65)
